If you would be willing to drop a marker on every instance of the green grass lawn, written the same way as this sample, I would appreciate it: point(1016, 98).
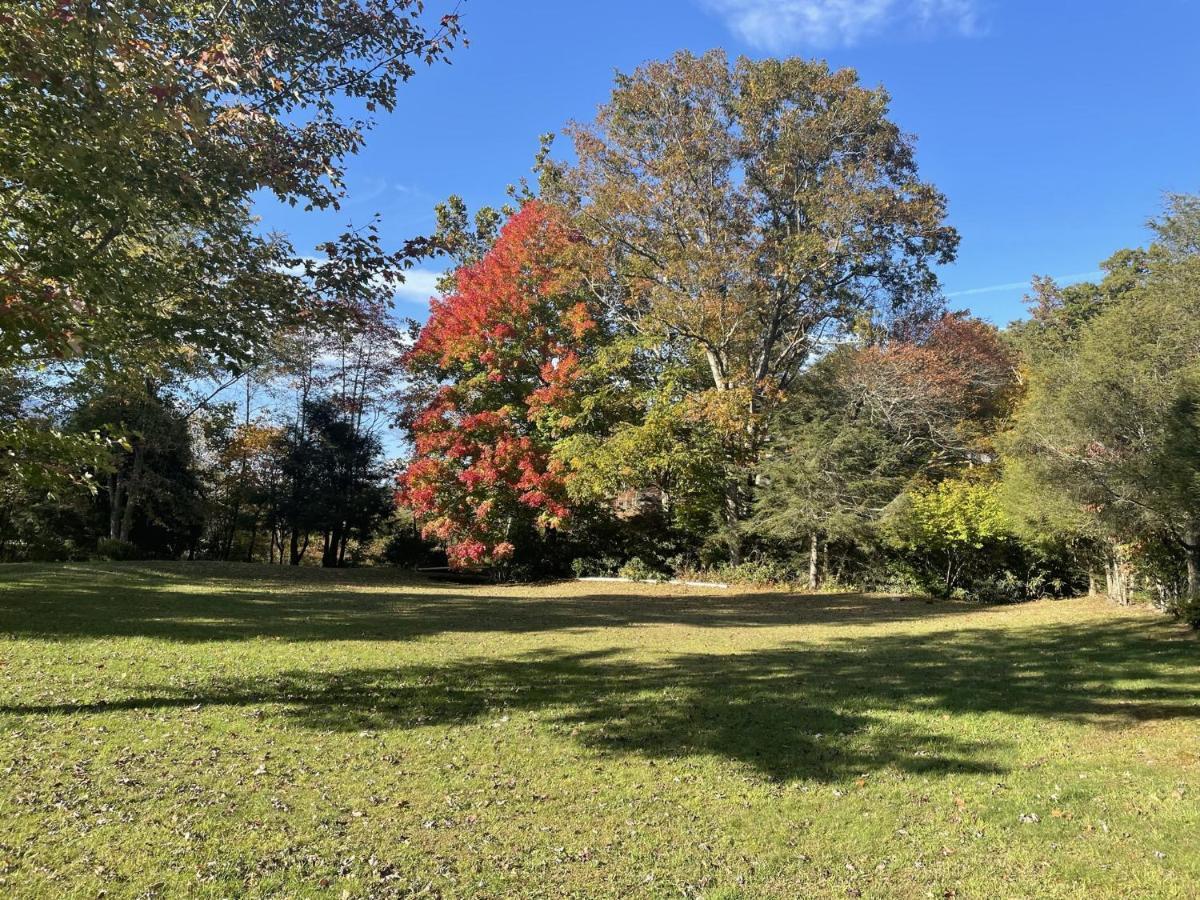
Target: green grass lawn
point(224, 730)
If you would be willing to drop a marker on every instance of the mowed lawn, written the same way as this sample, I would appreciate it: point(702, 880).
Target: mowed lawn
point(227, 731)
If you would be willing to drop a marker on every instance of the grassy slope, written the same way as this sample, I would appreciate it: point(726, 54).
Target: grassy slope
point(237, 730)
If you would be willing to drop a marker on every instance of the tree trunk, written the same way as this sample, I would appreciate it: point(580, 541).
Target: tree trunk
point(813, 576)
point(329, 553)
point(733, 516)
point(295, 548)
point(127, 517)
point(733, 487)
point(1117, 575)
point(1191, 549)
point(227, 550)
point(716, 365)
point(131, 491)
point(953, 566)
point(114, 506)
point(127, 520)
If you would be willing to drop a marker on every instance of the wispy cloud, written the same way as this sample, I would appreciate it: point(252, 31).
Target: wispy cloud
point(783, 24)
point(1019, 285)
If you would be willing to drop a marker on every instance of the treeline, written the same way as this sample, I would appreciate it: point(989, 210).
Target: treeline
point(713, 341)
point(291, 471)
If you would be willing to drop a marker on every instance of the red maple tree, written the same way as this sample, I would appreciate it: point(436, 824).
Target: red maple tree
point(497, 365)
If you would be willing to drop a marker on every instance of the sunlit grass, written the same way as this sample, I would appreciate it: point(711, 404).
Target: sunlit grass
point(195, 729)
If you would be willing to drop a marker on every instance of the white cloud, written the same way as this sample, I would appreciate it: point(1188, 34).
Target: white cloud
point(781, 24)
point(419, 285)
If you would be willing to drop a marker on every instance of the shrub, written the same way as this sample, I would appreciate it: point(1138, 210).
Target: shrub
point(637, 570)
point(110, 548)
point(595, 566)
point(758, 571)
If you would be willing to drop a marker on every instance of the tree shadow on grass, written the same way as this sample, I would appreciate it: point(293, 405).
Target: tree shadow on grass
point(816, 711)
point(198, 602)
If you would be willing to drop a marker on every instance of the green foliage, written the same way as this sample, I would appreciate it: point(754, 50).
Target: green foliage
point(667, 449)
point(1187, 610)
point(399, 543)
point(604, 566)
point(136, 137)
point(955, 513)
point(945, 527)
point(150, 492)
point(758, 571)
point(829, 469)
point(333, 482)
point(116, 549)
point(1112, 419)
point(637, 570)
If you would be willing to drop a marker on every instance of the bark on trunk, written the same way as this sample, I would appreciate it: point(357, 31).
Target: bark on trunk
point(733, 491)
point(1117, 575)
point(1191, 549)
point(329, 553)
point(115, 488)
point(131, 492)
point(227, 549)
point(813, 576)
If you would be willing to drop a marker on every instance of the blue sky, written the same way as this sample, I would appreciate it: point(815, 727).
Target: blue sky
point(1053, 127)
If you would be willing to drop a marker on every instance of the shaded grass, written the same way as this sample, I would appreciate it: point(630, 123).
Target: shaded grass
point(242, 730)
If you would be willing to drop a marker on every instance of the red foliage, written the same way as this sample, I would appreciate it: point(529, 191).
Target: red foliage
point(961, 372)
point(502, 356)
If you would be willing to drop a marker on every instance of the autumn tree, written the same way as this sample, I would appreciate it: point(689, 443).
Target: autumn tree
point(754, 210)
point(940, 392)
point(865, 421)
point(495, 368)
point(242, 482)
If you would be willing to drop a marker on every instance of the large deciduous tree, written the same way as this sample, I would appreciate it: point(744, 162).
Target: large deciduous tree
point(133, 125)
point(753, 210)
